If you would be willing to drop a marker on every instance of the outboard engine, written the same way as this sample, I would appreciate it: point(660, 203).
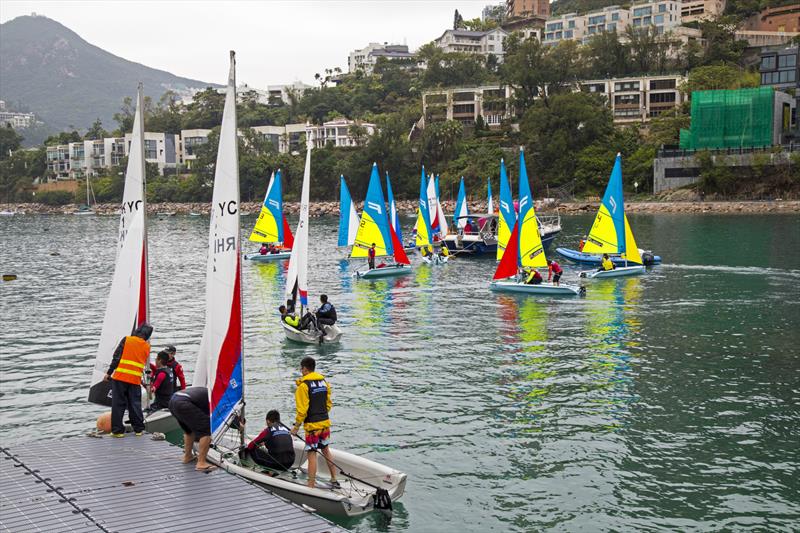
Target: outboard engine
point(648, 259)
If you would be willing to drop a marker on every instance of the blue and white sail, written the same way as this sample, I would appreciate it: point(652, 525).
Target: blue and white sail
point(461, 214)
point(394, 218)
point(348, 216)
point(489, 201)
point(508, 216)
point(423, 225)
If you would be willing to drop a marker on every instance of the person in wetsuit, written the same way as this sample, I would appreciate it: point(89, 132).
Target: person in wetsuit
point(277, 452)
point(162, 385)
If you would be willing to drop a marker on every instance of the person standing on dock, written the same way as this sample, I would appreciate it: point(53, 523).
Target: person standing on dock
point(177, 369)
point(125, 372)
point(191, 409)
point(313, 403)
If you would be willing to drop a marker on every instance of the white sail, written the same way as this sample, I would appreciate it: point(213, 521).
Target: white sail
point(296, 278)
point(220, 359)
point(128, 300)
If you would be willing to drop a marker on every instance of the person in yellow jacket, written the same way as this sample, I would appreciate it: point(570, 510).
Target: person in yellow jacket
point(125, 372)
point(607, 264)
point(313, 402)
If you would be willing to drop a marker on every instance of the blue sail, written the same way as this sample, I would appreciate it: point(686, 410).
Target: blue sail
point(508, 217)
point(348, 219)
point(274, 203)
point(462, 210)
point(424, 230)
point(374, 225)
point(489, 200)
point(394, 217)
point(436, 182)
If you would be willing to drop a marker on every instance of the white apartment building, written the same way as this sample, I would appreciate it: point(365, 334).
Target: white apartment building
point(286, 139)
point(569, 26)
point(638, 99)
point(696, 10)
point(281, 93)
point(15, 119)
point(190, 140)
point(465, 104)
point(338, 132)
point(663, 14)
point(483, 43)
point(366, 58)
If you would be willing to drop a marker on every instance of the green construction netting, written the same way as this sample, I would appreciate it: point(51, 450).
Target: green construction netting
point(739, 118)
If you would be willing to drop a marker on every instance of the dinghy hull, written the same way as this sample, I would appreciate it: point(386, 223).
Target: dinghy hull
point(267, 258)
point(332, 334)
point(385, 272)
point(596, 259)
point(545, 289)
point(616, 273)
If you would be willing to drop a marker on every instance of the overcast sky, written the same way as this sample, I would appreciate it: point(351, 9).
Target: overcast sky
point(275, 41)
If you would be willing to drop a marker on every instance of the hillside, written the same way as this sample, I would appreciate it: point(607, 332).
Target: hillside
point(66, 81)
point(736, 7)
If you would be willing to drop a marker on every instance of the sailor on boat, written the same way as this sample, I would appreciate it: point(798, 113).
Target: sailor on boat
point(161, 388)
point(371, 257)
point(277, 452)
point(125, 373)
point(445, 252)
point(554, 270)
point(533, 276)
point(263, 250)
point(313, 403)
point(607, 264)
point(326, 314)
point(297, 323)
point(178, 377)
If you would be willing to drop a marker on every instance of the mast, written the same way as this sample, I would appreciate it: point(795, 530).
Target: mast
point(232, 82)
point(140, 148)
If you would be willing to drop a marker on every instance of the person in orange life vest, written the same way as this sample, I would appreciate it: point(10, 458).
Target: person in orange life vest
point(371, 256)
point(581, 244)
point(162, 386)
point(554, 270)
point(313, 402)
point(125, 373)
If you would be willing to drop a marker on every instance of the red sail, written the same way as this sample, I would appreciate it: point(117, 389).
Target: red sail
point(288, 238)
point(399, 254)
point(508, 263)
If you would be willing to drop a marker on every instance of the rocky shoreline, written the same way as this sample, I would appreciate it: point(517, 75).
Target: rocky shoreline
point(408, 207)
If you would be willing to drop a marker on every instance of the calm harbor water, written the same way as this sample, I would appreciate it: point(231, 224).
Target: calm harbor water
point(662, 402)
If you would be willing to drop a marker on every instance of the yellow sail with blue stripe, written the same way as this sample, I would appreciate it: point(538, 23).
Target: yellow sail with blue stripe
point(374, 224)
point(531, 251)
point(424, 232)
point(269, 225)
point(611, 233)
point(508, 216)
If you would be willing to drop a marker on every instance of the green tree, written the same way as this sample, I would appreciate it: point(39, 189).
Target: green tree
point(64, 137)
point(606, 56)
point(720, 77)
point(721, 43)
point(96, 131)
point(10, 141)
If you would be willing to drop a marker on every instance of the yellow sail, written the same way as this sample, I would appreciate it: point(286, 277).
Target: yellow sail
point(631, 250)
point(531, 252)
point(423, 238)
point(503, 234)
point(603, 235)
point(368, 232)
point(266, 228)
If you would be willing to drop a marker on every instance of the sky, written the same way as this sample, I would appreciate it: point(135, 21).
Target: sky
point(276, 42)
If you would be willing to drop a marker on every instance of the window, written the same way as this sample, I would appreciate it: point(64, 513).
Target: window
point(150, 149)
point(639, 11)
point(596, 19)
point(662, 98)
point(637, 22)
point(786, 76)
point(626, 99)
point(614, 16)
point(786, 61)
point(627, 112)
point(626, 86)
point(612, 26)
point(659, 19)
point(662, 8)
point(768, 63)
point(592, 30)
point(464, 108)
point(491, 37)
point(571, 24)
point(646, 20)
point(558, 35)
point(662, 84)
point(567, 34)
point(594, 88)
point(548, 36)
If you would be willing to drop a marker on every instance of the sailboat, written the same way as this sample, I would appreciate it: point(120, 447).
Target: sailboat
point(297, 275)
point(128, 305)
point(374, 228)
point(348, 216)
point(508, 216)
point(489, 201)
point(435, 211)
point(271, 226)
point(611, 233)
point(86, 209)
point(524, 248)
point(220, 363)
point(427, 211)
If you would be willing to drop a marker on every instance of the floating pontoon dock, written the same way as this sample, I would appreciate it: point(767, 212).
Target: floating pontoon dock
point(133, 484)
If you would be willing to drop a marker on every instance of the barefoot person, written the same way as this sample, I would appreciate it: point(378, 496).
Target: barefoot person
point(313, 402)
point(190, 408)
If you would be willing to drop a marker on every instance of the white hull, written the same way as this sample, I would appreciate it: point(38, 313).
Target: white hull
point(435, 260)
point(352, 499)
point(161, 421)
point(387, 271)
point(547, 289)
point(332, 334)
point(616, 273)
point(257, 257)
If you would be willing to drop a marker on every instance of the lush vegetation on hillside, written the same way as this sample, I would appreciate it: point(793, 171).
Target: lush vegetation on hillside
point(569, 136)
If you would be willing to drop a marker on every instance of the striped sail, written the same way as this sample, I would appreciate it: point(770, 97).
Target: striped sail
point(507, 217)
point(128, 301)
point(489, 201)
point(462, 210)
point(610, 233)
point(269, 227)
point(220, 360)
point(374, 224)
point(348, 217)
point(394, 218)
point(423, 225)
point(530, 250)
point(297, 275)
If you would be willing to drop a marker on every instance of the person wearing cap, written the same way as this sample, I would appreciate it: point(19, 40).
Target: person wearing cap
point(125, 373)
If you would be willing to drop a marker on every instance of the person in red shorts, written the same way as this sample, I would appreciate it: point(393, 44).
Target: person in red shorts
point(313, 402)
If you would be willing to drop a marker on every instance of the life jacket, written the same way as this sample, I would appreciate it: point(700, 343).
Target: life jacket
point(292, 320)
point(371, 253)
point(279, 441)
point(555, 267)
point(330, 312)
point(131, 363)
point(167, 387)
point(607, 264)
point(172, 365)
point(445, 251)
point(317, 400)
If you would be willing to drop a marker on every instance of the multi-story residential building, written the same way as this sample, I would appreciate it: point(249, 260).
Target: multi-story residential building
point(483, 43)
point(190, 140)
point(663, 14)
point(492, 103)
point(159, 148)
point(495, 12)
point(366, 58)
point(778, 19)
point(15, 119)
point(527, 8)
point(758, 39)
point(339, 132)
point(286, 139)
point(284, 93)
point(696, 10)
point(566, 27)
point(611, 18)
point(638, 99)
point(780, 67)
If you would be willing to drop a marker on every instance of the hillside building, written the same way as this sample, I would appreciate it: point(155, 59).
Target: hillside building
point(492, 103)
point(527, 8)
point(697, 10)
point(366, 58)
point(340, 132)
point(778, 19)
point(15, 119)
point(285, 139)
point(638, 99)
point(483, 43)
